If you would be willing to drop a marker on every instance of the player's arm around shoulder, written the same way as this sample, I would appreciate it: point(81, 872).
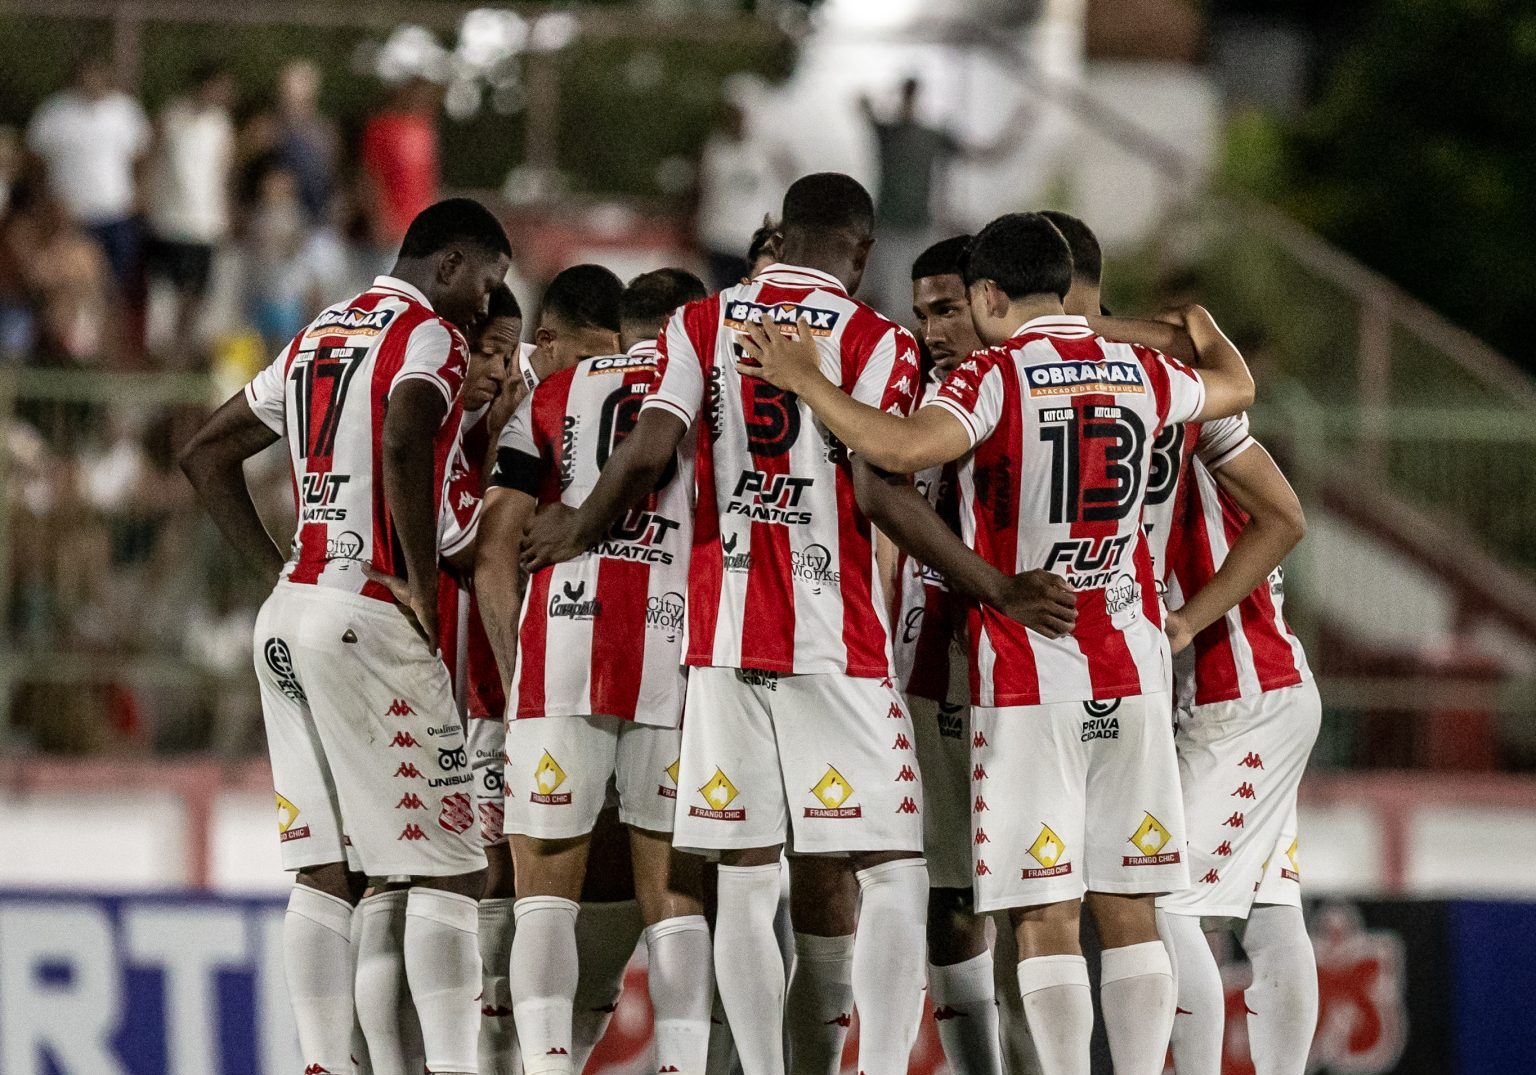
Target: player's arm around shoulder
point(1229, 387)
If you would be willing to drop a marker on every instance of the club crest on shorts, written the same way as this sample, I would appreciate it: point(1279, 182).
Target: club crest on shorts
point(719, 793)
point(288, 814)
point(1150, 838)
point(547, 778)
point(1294, 873)
point(671, 771)
point(1047, 850)
point(833, 792)
point(456, 814)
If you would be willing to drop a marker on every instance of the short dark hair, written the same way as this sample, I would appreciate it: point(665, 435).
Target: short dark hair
point(585, 296)
point(1087, 258)
point(828, 201)
point(760, 240)
point(944, 258)
point(1023, 254)
point(651, 297)
point(450, 222)
point(502, 303)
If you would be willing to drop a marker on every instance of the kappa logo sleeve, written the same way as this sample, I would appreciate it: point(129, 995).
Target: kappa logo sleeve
point(265, 393)
point(973, 393)
point(435, 353)
point(1223, 440)
point(519, 462)
point(678, 385)
point(891, 378)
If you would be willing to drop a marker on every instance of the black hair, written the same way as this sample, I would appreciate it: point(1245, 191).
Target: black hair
point(1023, 254)
point(454, 221)
point(760, 240)
point(651, 297)
point(944, 258)
point(585, 296)
point(1087, 258)
point(828, 201)
point(502, 303)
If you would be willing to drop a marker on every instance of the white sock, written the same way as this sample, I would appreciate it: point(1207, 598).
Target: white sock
point(1018, 1047)
point(1200, 1011)
point(722, 1047)
point(749, 971)
point(442, 965)
point(606, 936)
point(1059, 1007)
point(317, 956)
point(682, 991)
point(498, 1030)
point(384, 1008)
point(1282, 1001)
point(543, 969)
point(359, 1050)
point(1136, 999)
point(819, 1009)
point(965, 1012)
point(890, 956)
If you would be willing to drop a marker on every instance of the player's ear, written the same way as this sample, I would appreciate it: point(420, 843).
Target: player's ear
point(449, 264)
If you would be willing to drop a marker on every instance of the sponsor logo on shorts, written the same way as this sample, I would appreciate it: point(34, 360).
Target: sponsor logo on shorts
point(833, 791)
point(757, 677)
point(1100, 728)
point(547, 778)
point(1244, 791)
point(912, 624)
point(951, 721)
point(981, 806)
point(908, 806)
point(671, 771)
point(982, 869)
point(456, 814)
point(1235, 821)
point(400, 708)
point(450, 781)
point(843, 1019)
point(408, 770)
point(907, 775)
point(404, 739)
point(1211, 877)
point(902, 742)
point(412, 833)
point(1047, 850)
point(280, 661)
point(719, 793)
point(1098, 708)
point(978, 740)
point(895, 712)
point(451, 758)
point(978, 772)
point(1252, 761)
point(445, 729)
point(814, 565)
point(1150, 838)
point(1294, 873)
point(287, 815)
point(982, 837)
point(1223, 849)
point(410, 801)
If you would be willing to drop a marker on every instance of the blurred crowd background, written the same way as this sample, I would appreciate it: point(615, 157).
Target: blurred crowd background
point(181, 190)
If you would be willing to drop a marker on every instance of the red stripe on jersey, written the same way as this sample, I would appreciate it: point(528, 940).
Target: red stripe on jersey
point(863, 634)
point(1157, 378)
point(1215, 663)
point(386, 545)
point(768, 642)
point(706, 568)
point(311, 560)
point(618, 639)
point(533, 645)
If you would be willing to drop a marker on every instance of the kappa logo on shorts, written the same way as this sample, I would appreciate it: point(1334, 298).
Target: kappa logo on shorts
point(979, 772)
point(1211, 877)
point(908, 806)
point(978, 741)
point(456, 814)
point(1294, 873)
point(547, 778)
point(1244, 791)
point(907, 774)
point(671, 771)
point(408, 770)
point(902, 742)
point(982, 870)
point(895, 712)
point(981, 806)
point(834, 791)
point(1223, 849)
point(1150, 838)
point(982, 837)
point(1234, 822)
point(287, 814)
point(280, 661)
point(1252, 761)
point(1047, 851)
point(412, 833)
point(400, 708)
point(719, 793)
point(410, 801)
point(404, 739)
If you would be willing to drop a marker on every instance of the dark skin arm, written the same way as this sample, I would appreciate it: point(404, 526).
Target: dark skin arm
point(1172, 340)
point(1039, 600)
point(212, 461)
point(499, 579)
point(414, 415)
point(560, 533)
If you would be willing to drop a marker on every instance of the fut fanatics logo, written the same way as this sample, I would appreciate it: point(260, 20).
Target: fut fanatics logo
point(1150, 839)
point(814, 565)
point(718, 794)
point(833, 791)
point(1244, 791)
point(411, 833)
point(1063, 378)
point(547, 778)
point(456, 814)
point(1090, 563)
point(288, 813)
point(640, 538)
point(741, 314)
point(318, 498)
point(671, 771)
point(738, 562)
point(571, 603)
point(1047, 850)
point(351, 322)
point(770, 498)
point(1294, 873)
point(280, 661)
point(1252, 761)
point(404, 739)
point(410, 801)
point(408, 770)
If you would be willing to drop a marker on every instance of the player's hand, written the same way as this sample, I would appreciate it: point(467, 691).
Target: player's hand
point(783, 362)
point(552, 538)
point(1180, 635)
point(421, 613)
point(1040, 600)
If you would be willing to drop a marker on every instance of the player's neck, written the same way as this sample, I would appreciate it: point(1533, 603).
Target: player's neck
point(1084, 300)
point(824, 254)
point(419, 274)
point(1021, 311)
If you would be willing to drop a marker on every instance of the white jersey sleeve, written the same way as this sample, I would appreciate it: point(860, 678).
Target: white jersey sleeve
point(1180, 389)
point(1223, 440)
point(679, 384)
point(265, 396)
point(889, 379)
point(973, 393)
point(437, 354)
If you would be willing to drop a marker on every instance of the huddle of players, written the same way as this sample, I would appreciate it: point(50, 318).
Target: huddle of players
point(696, 488)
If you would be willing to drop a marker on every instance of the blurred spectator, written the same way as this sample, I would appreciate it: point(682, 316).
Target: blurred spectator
point(737, 192)
point(54, 281)
point(188, 197)
point(275, 235)
point(10, 164)
point(400, 162)
point(306, 140)
point(90, 137)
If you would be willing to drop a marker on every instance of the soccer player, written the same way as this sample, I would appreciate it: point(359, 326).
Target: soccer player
point(763, 250)
point(1074, 779)
point(793, 725)
point(359, 708)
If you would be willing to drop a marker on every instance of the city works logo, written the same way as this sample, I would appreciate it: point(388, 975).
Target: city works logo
point(1047, 851)
point(318, 499)
point(664, 612)
point(740, 315)
point(739, 562)
point(547, 778)
point(662, 789)
point(814, 565)
point(350, 323)
point(287, 814)
point(347, 545)
point(719, 793)
point(280, 661)
point(834, 791)
point(456, 815)
point(571, 603)
point(639, 538)
point(1150, 839)
point(1080, 378)
point(1121, 595)
point(770, 498)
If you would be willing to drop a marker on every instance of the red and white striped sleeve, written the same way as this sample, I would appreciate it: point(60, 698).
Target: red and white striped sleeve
point(436, 353)
point(973, 393)
point(678, 385)
point(1223, 440)
point(1179, 389)
point(891, 379)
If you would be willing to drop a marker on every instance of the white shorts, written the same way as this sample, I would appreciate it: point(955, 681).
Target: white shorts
point(1074, 797)
point(368, 755)
point(559, 769)
point(827, 759)
point(487, 738)
point(1241, 763)
point(943, 737)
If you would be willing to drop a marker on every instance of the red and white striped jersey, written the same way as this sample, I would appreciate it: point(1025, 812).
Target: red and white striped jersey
point(928, 617)
point(1251, 649)
point(1062, 424)
point(327, 393)
point(783, 574)
point(603, 633)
